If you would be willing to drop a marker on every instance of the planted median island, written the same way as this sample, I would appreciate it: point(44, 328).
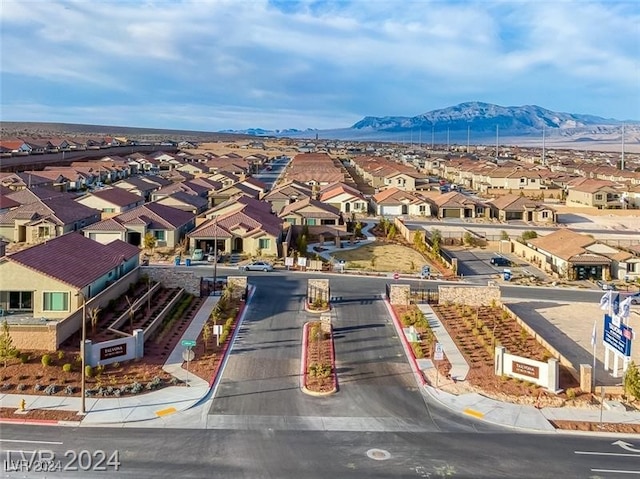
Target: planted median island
point(319, 370)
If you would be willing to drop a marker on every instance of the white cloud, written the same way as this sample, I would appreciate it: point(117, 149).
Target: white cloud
point(381, 57)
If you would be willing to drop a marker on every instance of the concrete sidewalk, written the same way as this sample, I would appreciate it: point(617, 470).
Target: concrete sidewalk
point(459, 366)
point(331, 247)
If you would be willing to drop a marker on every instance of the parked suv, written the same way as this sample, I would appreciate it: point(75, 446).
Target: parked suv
point(500, 261)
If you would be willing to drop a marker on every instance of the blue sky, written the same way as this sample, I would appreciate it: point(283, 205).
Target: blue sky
point(233, 64)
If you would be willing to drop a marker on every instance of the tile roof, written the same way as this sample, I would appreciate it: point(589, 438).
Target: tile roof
point(106, 225)
point(563, 243)
point(116, 196)
point(186, 198)
point(61, 210)
point(326, 211)
point(36, 194)
point(75, 259)
point(336, 189)
point(156, 216)
point(515, 203)
point(250, 217)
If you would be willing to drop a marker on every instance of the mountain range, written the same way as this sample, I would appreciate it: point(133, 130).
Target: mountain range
point(476, 121)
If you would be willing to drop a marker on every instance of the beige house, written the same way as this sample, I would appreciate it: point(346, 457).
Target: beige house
point(168, 226)
point(521, 208)
point(344, 197)
point(595, 193)
point(111, 201)
point(241, 225)
point(44, 285)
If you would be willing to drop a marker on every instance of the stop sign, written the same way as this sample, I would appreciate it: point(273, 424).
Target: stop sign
point(396, 275)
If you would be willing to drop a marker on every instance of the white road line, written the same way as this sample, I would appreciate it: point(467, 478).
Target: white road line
point(26, 441)
point(615, 471)
point(596, 453)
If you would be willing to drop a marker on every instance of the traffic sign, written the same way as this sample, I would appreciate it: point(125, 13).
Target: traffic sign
point(396, 275)
point(188, 343)
point(188, 355)
point(438, 354)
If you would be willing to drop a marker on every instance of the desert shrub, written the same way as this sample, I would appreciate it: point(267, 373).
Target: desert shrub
point(46, 360)
point(136, 387)
point(69, 390)
point(37, 387)
point(417, 350)
point(319, 370)
point(51, 389)
point(24, 358)
point(117, 392)
point(115, 365)
point(5, 386)
point(99, 369)
point(60, 355)
point(88, 371)
point(67, 367)
point(632, 380)
point(21, 387)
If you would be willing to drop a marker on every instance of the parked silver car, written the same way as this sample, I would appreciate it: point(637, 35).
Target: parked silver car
point(257, 266)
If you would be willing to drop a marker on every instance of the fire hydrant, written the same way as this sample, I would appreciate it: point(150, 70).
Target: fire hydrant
point(23, 404)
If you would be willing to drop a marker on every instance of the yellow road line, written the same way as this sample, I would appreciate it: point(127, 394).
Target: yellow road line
point(166, 412)
point(474, 413)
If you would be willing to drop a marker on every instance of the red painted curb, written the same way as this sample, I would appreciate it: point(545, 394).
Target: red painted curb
point(29, 421)
point(398, 326)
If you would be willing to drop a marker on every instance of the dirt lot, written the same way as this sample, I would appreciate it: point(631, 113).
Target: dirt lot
point(383, 257)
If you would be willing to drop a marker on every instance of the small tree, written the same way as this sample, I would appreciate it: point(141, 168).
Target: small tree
point(7, 349)
point(436, 241)
point(504, 235)
point(529, 234)
point(206, 335)
point(93, 314)
point(392, 231)
point(357, 230)
point(302, 244)
point(149, 241)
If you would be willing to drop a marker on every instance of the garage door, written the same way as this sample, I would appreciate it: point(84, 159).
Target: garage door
point(104, 238)
point(451, 213)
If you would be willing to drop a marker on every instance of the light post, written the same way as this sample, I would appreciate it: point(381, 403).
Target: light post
point(215, 253)
point(82, 352)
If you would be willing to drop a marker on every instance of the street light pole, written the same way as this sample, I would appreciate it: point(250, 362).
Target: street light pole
point(215, 253)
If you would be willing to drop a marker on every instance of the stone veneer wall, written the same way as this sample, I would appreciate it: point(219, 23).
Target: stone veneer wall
point(317, 288)
point(170, 277)
point(399, 294)
point(42, 338)
point(469, 295)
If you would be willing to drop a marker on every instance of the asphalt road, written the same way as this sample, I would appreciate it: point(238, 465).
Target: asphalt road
point(260, 425)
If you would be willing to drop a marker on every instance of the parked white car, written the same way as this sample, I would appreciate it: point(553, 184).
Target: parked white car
point(257, 266)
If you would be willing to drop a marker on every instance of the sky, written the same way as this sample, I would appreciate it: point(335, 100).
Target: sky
point(211, 65)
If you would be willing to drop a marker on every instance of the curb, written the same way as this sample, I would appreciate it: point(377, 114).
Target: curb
point(40, 422)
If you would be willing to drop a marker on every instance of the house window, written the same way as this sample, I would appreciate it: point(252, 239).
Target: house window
point(56, 302)
point(545, 214)
point(522, 180)
point(598, 197)
point(43, 232)
point(311, 221)
point(291, 221)
point(108, 210)
point(422, 209)
point(264, 243)
point(159, 235)
point(20, 300)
